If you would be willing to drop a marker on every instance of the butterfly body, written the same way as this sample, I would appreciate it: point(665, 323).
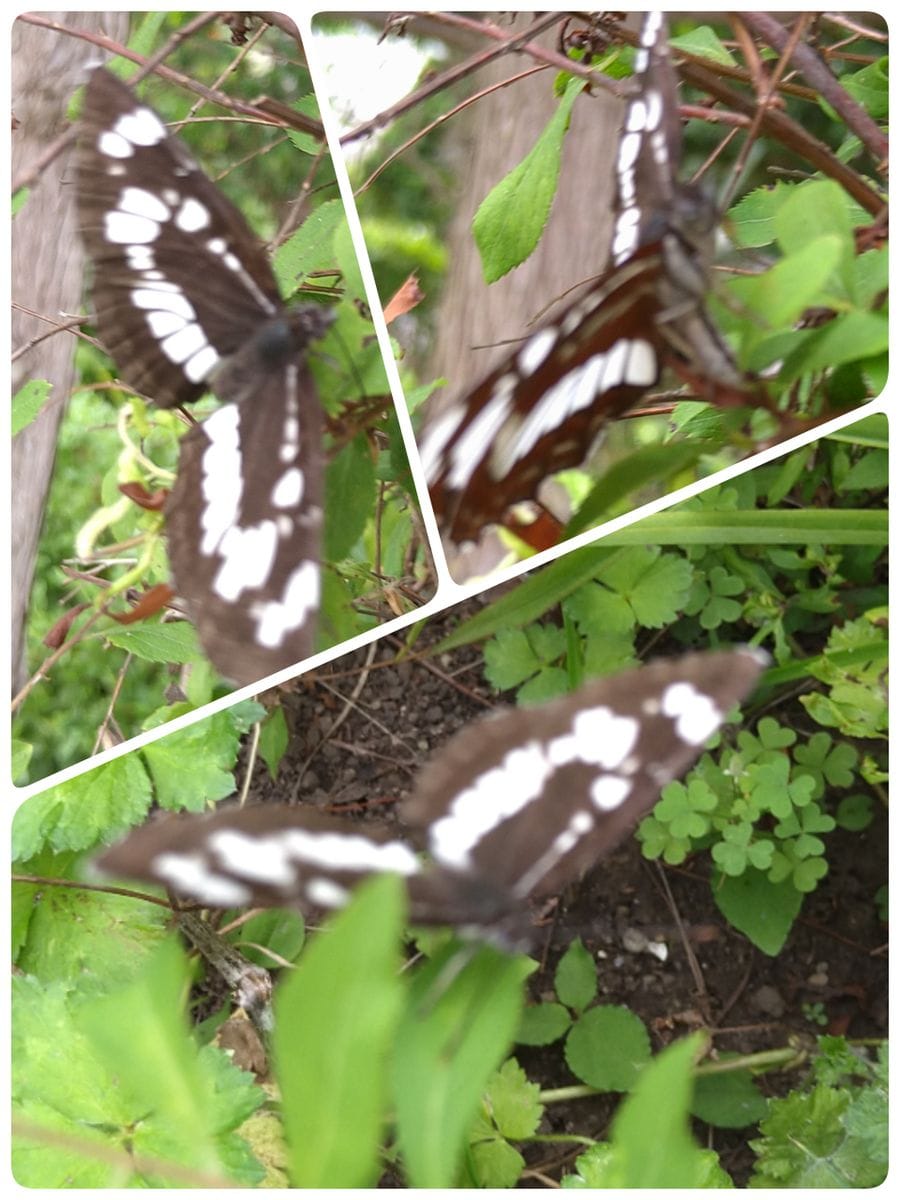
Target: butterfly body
point(186, 302)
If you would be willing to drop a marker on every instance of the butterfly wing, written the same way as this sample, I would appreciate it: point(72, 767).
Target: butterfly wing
point(244, 519)
point(268, 855)
point(541, 409)
point(532, 797)
point(179, 279)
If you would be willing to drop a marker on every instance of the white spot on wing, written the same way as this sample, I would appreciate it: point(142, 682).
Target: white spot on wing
point(189, 873)
point(142, 203)
point(126, 229)
point(609, 791)
point(300, 599)
point(192, 216)
point(535, 351)
point(696, 715)
point(288, 491)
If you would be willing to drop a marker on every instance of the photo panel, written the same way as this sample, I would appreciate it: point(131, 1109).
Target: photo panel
point(622, 823)
point(681, 221)
point(210, 482)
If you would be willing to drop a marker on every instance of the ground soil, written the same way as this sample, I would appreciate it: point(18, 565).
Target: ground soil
point(360, 729)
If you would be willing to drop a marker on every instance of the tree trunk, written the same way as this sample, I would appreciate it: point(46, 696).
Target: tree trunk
point(46, 269)
point(486, 142)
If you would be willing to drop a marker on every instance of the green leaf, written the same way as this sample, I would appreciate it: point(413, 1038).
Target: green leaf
point(121, 1072)
point(193, 766)
point(659, 1102)
point(511, 218)
point(607, 1047)
point(349, 497)
point(457, 1028)
point(727, 1099)
point(514, 1102)
point(649, 465)
point(335, 1018)
point(166, 642)
point(780, 295)
point(531, 599)
point(542, 1024)
point(302, 253)
point(762, 910)
point(28, 402)
point(575, 979)
point(273, 739)
point(78, 814)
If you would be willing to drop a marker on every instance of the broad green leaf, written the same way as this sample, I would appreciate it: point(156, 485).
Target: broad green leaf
point(335, 1019)
point(764, 911)
point(458, 1026)
point(78, 814)
point(166, 642)
point(608, 1047)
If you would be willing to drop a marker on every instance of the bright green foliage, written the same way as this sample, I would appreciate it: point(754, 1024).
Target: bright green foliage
point(511, 1111)
point(833, 1135)
point(667, 1157)
point(336, 1016)
point(576, 977)
point(456, 1029)
point(607, 1047)
point(28, 402)
point(727, 1099)
point(273, 739)
point(119, 1074)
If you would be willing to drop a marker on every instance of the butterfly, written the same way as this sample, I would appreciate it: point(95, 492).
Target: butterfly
point(186, 303)
point(514, 807)
point(541, 409)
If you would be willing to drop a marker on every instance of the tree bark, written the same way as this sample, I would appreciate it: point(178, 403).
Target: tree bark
point(486, 143)
point(46, 270)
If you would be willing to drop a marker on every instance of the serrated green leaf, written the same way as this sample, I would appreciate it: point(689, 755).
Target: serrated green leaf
point(167, 642)
point(193, 766)
point(607, 1047)
point(78, 814)
point(542, 1024)
point(511, 218)
point(514, 1102)
point(308, 248)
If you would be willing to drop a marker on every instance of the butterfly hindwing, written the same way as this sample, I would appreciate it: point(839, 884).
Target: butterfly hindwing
point(244, 532)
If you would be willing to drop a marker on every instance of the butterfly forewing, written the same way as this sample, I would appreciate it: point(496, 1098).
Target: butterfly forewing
point(179, 279)
point(271, 855)
point(532, 797)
